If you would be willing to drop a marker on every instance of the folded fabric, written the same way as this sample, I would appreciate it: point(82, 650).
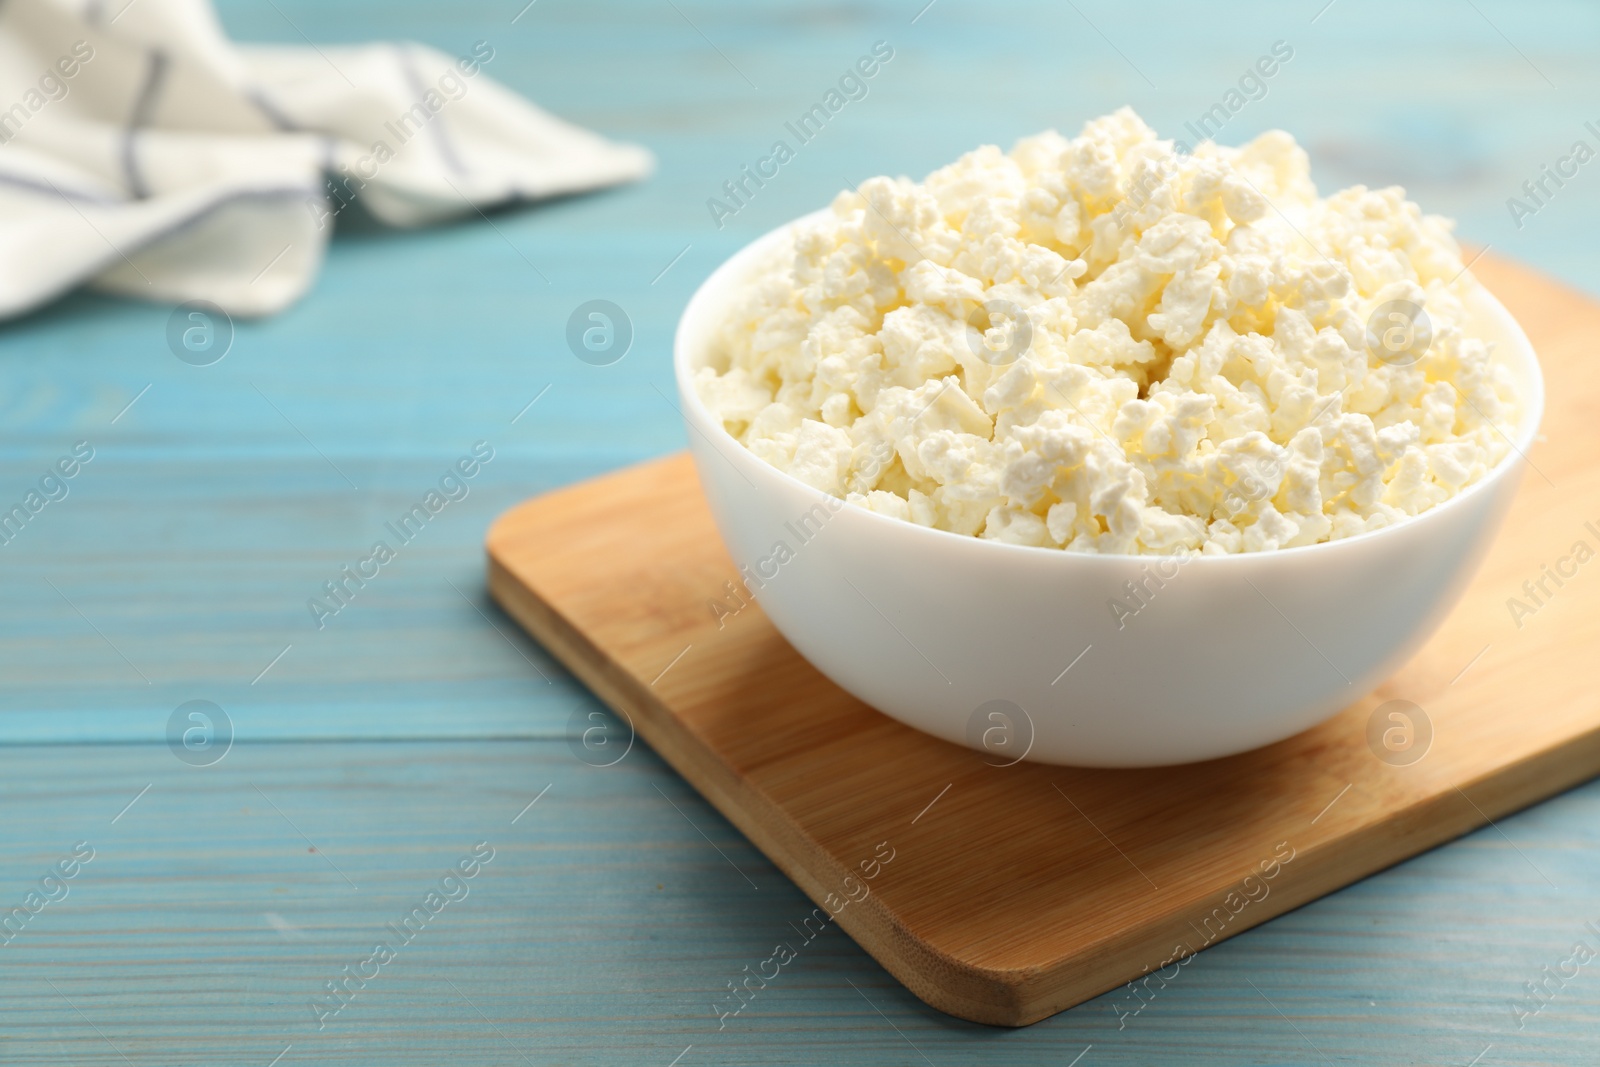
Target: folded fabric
point(143, 153)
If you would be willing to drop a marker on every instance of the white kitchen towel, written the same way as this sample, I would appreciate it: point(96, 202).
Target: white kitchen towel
point(143, 153)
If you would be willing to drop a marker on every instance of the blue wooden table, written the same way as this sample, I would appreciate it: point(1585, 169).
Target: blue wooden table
point(228, 914)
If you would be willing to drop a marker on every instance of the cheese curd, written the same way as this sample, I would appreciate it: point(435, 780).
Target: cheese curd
point(1104, 345)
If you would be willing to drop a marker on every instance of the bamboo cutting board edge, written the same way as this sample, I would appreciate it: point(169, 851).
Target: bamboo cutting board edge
point(798, 855)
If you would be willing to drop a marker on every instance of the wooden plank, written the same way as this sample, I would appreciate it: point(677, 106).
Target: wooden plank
point(1030, 888)
point(609, 922)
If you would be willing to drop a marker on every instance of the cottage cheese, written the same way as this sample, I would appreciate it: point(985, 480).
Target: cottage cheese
point(1103, 345)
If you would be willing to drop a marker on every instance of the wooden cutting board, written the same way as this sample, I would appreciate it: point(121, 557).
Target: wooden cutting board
point(1006, 894)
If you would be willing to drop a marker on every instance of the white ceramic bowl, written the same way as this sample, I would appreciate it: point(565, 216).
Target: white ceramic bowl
point(968, 639)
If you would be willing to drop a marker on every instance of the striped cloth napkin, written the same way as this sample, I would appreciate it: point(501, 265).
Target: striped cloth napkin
point(143, 153)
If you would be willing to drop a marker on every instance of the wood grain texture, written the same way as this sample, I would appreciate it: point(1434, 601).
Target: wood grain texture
point(1003, 918)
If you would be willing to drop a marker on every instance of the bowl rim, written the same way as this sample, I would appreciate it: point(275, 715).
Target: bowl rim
point(700, 419)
